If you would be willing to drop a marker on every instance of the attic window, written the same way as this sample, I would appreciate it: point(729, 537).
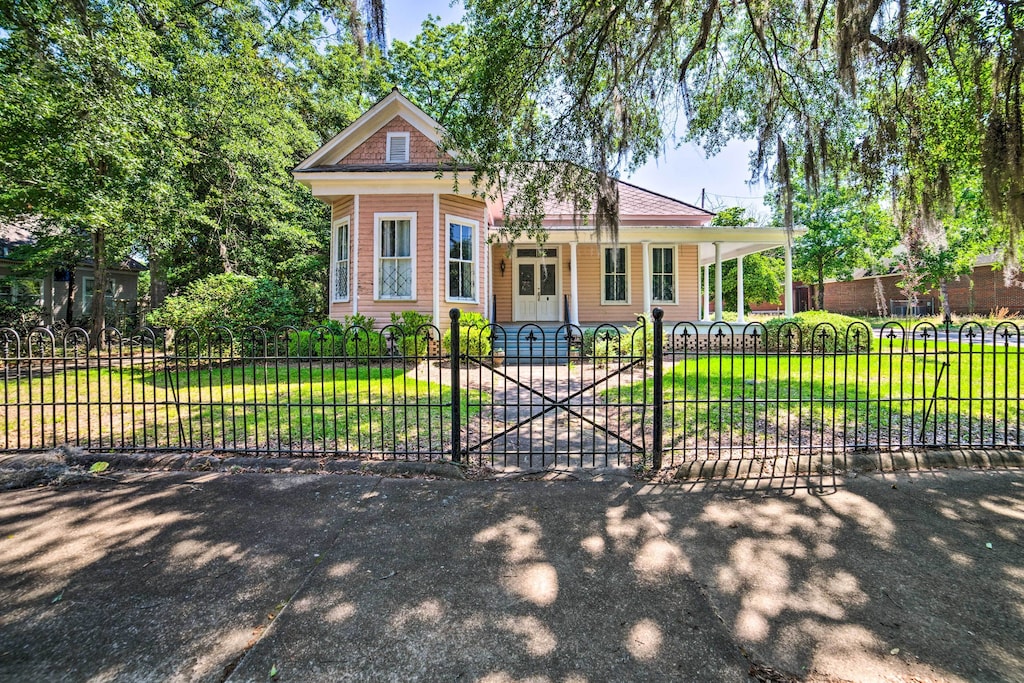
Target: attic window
point(398, 148)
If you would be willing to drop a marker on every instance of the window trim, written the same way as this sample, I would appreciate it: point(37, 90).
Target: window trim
point(401, 216)
point(339, 223)
point(387, 151)
point(629, 289)
point(675, 274)
point(475, 225)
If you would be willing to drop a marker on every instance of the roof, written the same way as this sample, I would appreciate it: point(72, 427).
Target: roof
point(388, 107)
point(637, 206)
point(20, 232)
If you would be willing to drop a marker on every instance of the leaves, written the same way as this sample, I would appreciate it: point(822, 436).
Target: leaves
point(99, 467)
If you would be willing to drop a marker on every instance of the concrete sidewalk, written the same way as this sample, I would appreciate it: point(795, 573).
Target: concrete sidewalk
point(212, 576)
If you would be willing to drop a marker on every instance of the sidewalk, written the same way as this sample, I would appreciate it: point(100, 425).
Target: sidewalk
point(212, 576)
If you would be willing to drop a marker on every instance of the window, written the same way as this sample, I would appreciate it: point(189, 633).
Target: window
point(341, 260)
point(614, 276)
point(398, 148)
point(663, 275)
point(461, 257)
point(394, 263)
point(88, 287)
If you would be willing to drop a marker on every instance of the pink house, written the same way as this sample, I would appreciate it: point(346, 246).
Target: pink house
point(403, 238)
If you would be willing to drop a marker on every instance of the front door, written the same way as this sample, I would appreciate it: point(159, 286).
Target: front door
point(535, 285)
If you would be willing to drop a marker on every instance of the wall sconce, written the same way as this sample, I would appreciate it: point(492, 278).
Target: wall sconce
point(502, 267)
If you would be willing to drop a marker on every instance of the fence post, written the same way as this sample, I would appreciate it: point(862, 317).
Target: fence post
point(659, 386)
point(456, 352)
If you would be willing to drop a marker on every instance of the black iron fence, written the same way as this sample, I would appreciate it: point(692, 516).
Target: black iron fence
point(652, 394)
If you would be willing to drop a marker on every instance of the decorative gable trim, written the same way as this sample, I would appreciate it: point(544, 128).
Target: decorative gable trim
point(394, 104)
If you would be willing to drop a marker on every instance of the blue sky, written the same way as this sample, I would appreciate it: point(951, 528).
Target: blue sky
point(681, 172)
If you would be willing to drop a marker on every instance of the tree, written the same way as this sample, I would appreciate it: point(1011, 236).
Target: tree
point(169, 128)
point(839, 234)
point(903, 101)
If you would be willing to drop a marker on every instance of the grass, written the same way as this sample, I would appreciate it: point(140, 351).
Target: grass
point(932, 393)
point(305, 407)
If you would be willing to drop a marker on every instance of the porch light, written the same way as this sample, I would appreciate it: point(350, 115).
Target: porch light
point(502, 267)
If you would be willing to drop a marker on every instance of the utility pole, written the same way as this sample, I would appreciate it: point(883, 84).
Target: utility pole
point(702, 195)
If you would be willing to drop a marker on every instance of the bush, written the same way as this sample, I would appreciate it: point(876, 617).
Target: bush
point(811, 324)
point(409, 329)
point(630, 341)
point(232, 301)
point(474, 335)
point(352, 337)
point(21, 317)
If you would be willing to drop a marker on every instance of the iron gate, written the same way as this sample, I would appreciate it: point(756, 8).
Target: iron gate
point(555, 396)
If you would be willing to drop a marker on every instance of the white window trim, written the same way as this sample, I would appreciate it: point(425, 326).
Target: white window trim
point(377, 218)
point(675, 274)
point(343, 221)
point(387, 152)
point(629, 276)
point(475, 225)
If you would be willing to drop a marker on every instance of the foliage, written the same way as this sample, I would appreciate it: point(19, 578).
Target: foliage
point(19, 316)
point(803, 332)
point(232, 301)
point(474, 335)
point(630, 341)
point(907, 102)
point(844, 232)
point(410, 329)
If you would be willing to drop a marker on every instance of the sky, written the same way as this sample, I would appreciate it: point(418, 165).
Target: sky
point(682, 172)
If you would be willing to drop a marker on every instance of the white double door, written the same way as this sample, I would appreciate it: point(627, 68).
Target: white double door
point(535, 285)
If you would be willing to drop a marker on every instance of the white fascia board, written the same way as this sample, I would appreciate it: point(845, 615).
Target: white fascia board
point(330, 184)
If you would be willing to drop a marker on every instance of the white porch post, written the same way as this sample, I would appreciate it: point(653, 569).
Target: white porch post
point(788, 293)
point(354, 255)
point(739, 290)
point(438, 241)
point(647, 275)
point(574, 285)
point(718, 282)
point(706, 314)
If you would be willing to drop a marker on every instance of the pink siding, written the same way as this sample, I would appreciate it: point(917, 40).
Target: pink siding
point(687, 306)
point(502, 283)
point(341, 207)
point(374, 149)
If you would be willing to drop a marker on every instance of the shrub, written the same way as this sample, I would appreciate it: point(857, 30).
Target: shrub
point(409, 329)
point(21, 317)
point(474, 335)
point(811, 324)
point(229, 300)
point(630, 341)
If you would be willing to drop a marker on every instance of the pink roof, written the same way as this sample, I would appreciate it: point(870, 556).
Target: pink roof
point(637, 206)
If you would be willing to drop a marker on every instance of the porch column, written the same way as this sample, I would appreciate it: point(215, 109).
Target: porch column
point(788, 292)
point(739, 290)
point(439, 239)
point(647, 275)
point(706, 313)
point(354, 255)
point(718, 282)
point(574, 285)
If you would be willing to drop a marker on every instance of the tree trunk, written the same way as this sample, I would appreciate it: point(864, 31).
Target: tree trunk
point(944, 299)
point(99, 285)
point(883, 309)
point(69, 309)
point(819, 289)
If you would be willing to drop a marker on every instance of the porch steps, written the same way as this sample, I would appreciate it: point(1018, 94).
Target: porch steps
point(543, 344)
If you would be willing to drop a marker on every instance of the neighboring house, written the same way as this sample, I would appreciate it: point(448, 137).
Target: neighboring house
point(49, 291)
point(982, 292)
point(403, 239)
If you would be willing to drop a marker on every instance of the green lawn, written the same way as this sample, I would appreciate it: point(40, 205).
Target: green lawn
point(305, 407)
point(930, 394)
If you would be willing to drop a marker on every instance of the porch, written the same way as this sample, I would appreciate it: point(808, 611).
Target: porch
point(574, 279)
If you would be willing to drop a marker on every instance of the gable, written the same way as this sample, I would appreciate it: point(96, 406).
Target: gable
point(422, 150)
